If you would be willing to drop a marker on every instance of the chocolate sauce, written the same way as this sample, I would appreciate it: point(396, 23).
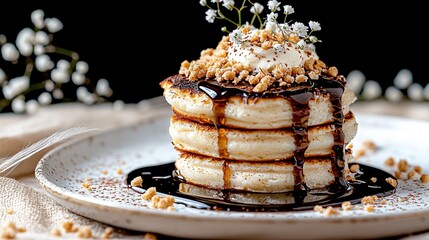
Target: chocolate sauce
point(164, 177)
point(299, 96)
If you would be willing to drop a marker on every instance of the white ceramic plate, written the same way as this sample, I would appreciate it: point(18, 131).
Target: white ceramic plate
point(62, 171)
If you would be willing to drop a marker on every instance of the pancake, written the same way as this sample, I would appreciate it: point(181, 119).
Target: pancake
point(254, 145)
point(252, 113)
point(271, 177)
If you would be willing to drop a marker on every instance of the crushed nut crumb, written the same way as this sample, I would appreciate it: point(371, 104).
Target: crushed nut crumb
point(104, 172)
point(392, 182)
point(150, 236)
point(150, 192)
point(56, 232)
point(369, 199)
point(373, 179)
point(330, 211)
point(383, 202)
point(86, 185)
point(318, 208)
point(10, 211)
point(424, 178)
point(137, 182)
point(360, 153)
point(418, 169)
point(354, 168)
point(398, 174)
point(369, 208)
point(68, 226)
point(170, 208)
point(347, 206)
point(402, 165)
point(84, 232)
point(9, 230)
point(161, 202)
point(390, 161)
point(370, 145)
point(411, 174)
point(119, 171)
point(107, 233)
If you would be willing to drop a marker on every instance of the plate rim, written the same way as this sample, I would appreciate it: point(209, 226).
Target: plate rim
point(67, 195)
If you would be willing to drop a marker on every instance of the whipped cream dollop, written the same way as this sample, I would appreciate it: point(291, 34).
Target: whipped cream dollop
point(290, 55)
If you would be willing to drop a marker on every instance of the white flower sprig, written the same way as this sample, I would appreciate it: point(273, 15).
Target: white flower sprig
point(271, 22)
point(43, 78)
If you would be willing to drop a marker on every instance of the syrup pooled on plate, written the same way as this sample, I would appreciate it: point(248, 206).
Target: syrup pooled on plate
point(166, 180)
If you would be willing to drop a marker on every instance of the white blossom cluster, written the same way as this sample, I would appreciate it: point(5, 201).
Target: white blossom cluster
point(34, 48)
point(271, 21)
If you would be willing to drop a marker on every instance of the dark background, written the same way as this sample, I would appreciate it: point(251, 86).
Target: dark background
point(134, 43)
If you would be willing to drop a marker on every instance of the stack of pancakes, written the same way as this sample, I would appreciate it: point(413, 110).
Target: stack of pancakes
point(228, 137)
point(261, 113)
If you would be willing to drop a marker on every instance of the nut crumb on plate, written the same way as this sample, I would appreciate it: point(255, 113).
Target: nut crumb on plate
point(137, 182)
point(347, 206)
point(392, 182)
point(390, 161)
point(84, 232)
point(150, 192)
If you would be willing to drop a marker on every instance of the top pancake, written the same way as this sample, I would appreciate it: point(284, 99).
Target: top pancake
point(272, 112)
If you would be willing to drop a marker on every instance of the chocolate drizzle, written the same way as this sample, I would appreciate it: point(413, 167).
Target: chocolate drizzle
point(299, 96)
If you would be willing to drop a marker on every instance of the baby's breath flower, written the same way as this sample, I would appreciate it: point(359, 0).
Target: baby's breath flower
point(288, 9)
point(257, 8)
point(16, 86)
point(63, 64)
point(313, 39)
point(85, 96)
point(300, 29)
point(31, 106)
point(215, 1)
point(203, 3)
point(45, 98)
point(78, 78)
point(2, 76)
point(53, 24)
point(272, 17)
point(58, 94)
point(118, 105)
point(44, 63)
point(42, 38)
point(82, 67)
point(39, 49)
point(102, 88)
point(49, 86)
point(59, 75)
point(37, 18)
point(314, 26)
point(18, 104)
point(24, 41)
point(272, 26)
point(9, 52)
point(228, 4)
point(301, 44)
point(273, 5)
point(236, 36)
point(211, 15)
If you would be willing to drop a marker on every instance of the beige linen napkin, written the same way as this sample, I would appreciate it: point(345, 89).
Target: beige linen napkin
point(22, 201)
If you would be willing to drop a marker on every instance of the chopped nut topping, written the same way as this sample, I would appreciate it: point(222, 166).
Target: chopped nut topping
point(10, 211)
point(418, 169)
point(392, 182)
point(137, 182)
point(390, 161)
point(403, 165)
point(411, 174)
point(360, 153)
point(329, 211)
point(424, 178)
point(107, 233)
point(162, 202)
point(214, 63)
point(370, 145)
point(347, 206)
point(369, 199)
point(68, 226)
point(150, 236)
point(318, 208)
point(398, 174)
point(119, 171)
point(84, 232)
point(369, 208)
point(150, 192)
point(104, 172)
point(86, 185)
point(56, 232)
point(170, 208)
point(354, 168)
point(373, 179)
point(9, 230)
point(383, 202)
